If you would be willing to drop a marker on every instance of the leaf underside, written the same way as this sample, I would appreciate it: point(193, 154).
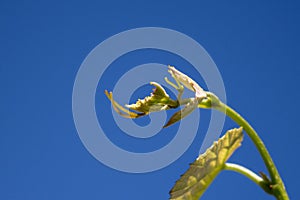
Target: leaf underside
point(193, 183)
point(188, 109)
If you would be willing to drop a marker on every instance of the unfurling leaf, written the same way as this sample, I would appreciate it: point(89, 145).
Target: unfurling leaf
point(120, 109)
point(189, 108)
point(157, 101)
point(193, 183)
point(187, 82)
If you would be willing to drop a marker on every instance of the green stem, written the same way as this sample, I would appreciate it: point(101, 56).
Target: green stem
point(249, 174)
point(277, 186)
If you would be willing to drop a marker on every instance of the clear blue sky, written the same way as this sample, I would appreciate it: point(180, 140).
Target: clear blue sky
point(255, 45)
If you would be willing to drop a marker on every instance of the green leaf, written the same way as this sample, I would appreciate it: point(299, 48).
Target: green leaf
point(193, 183)
point(157, 101)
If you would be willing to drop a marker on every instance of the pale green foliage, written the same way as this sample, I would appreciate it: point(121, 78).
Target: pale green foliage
point(207, 166)
point(157, 101)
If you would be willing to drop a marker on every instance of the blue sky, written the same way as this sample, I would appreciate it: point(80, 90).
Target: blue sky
point(255, 45)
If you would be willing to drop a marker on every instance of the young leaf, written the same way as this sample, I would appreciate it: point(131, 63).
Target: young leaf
point(157, 101)
point(193, 183)
point(188, 109)
point(187, 82)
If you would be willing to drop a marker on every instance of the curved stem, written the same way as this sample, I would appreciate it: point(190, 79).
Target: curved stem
point(277, 186)
point(249, 174)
